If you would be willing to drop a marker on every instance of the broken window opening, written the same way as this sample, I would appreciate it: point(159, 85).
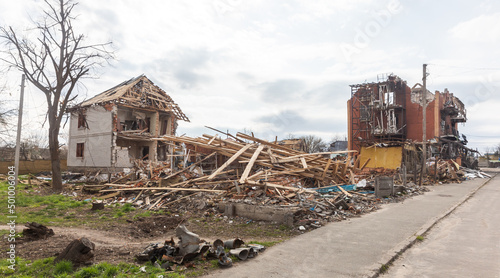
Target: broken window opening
point(80, 148)
point(145, 153)
point(82, 120)
point(164, 125)
point(162, 152)
point(389, 98)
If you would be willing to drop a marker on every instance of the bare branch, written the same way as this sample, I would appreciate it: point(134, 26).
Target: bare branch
point(54, 62)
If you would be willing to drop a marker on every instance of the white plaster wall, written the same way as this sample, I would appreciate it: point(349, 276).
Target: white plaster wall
point(97, 139)
point(123, 158)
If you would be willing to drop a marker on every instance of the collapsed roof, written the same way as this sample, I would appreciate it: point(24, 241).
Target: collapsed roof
point(137, 92)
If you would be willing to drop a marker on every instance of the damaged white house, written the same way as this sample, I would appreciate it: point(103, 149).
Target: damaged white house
point(117, 127)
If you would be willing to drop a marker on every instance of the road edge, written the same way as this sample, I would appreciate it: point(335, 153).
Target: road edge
point(383, 264)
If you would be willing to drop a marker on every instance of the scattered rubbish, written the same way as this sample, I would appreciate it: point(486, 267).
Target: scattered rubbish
point(224, 260)
point(188, 241)
point(241, 253)
point(233, 244)
point(36, 231)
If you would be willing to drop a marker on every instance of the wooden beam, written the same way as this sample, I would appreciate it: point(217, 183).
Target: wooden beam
point(163, 188)
point(211, 140)
point(343, 191)
point(279, 186)
point(326, 169)
point(255, 155)
point(364, 164)
point(304, 163)
point(229, 161)
point(185, 169)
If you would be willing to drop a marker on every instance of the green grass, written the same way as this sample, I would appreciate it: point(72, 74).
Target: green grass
point(266, 244)
point(47, 268)
point(420, 238)
point(58, 209)
point(383, 268)
point(127, 208)
point(63, 267)
point(43, 209)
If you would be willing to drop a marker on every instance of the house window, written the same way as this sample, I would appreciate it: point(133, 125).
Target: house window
point(164, 124)
point(82, 122)
point(79, 149)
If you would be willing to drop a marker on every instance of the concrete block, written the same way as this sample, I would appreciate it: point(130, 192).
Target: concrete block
point(384, 186)
point(260, 213)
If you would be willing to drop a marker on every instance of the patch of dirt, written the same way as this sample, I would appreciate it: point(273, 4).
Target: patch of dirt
point(112, 247)
point(154, 226)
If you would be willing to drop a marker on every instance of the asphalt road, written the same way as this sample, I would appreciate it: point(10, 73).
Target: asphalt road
point(357, 247)
point(464, 244)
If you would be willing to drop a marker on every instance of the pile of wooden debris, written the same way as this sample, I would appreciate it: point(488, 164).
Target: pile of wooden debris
point(245, 169)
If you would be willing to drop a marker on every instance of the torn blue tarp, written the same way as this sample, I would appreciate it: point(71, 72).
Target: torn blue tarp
point(334, 188)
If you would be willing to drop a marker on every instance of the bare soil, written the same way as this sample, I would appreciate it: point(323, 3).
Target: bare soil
point(121, 242)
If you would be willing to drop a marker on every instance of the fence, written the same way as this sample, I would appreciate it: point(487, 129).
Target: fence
point(31, 166)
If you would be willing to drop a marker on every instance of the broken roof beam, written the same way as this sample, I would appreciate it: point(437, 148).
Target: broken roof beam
point(275, 146)
point(163, 188)
point(250, 164)
point(229, 161)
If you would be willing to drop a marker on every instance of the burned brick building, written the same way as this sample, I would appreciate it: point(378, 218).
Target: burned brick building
point(114, 128)
point(390, 112)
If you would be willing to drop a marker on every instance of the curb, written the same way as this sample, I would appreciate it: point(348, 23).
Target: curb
point(401, 247)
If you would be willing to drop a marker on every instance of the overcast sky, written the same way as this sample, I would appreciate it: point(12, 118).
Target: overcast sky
point(284, 67)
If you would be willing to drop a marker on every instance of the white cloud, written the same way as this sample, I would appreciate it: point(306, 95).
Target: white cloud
point(215, 57)
point(484, 28)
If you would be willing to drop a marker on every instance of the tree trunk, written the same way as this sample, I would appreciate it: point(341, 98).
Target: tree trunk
point(79, 252)
point(54, 154)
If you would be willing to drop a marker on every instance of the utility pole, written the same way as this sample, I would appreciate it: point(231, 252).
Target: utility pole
point(424, 124)
point(19, 124)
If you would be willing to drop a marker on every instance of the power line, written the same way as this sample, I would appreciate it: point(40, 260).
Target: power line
point(463, 67)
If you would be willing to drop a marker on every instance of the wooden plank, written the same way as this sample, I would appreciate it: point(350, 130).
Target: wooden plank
point(276, 146)
point(343, 191)
point(320, 153)
point(185, 169)
point(109, 195)
point(154, 205)
point(304, 163)
point(259, 173)
point(356, 162)
point(229, 161)
point(279, 186)
point(271, 155)
point(211, 140)
point(214, 182)
point(344, 167)
point(326, 169)
point(178, 200)
point(364, 164)
point(126, 176)
point(116, 185)
point(255, 155)
point(351, 177)
point(162, 188)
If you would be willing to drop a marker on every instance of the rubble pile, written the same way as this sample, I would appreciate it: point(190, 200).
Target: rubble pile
point(256, 172)
point(190, 247)
point(451, 171)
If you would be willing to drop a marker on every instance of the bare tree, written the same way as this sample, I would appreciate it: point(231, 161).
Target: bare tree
point(54, 62)
point(313, 144)
point(5, 114)
point(33, 146)
point(496, 150)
